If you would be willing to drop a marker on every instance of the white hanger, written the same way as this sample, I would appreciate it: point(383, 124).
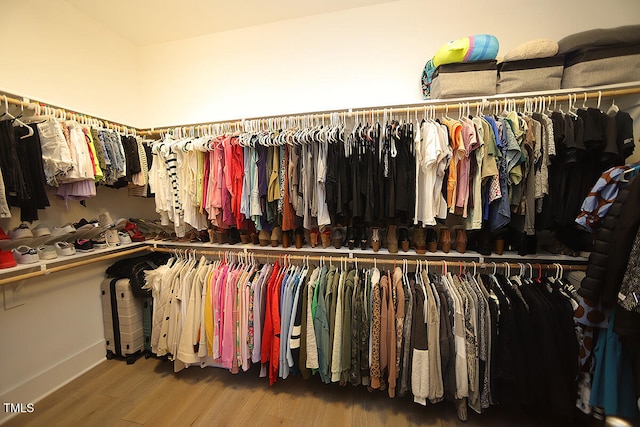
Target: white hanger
point(12, 117)
point(613, 109)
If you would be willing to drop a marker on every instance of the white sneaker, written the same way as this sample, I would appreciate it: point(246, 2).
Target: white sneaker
point(25, 255)
point(63, 229)
point(100, 241)
point(124, 238)
point(47, 252)
point(65, 249)
point(20, 232)
point(120, 223)
point(106, 220)
point(112, 238)
point(41, 230)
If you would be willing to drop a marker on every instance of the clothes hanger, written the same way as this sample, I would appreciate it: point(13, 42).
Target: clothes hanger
point(571, 109)
point(613, 109)
point(16, 120)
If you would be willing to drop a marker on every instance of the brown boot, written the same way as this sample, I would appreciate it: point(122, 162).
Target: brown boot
point(264, 237)
point(392, 240)
point(461, 240)
point(375, 239)
point(445, 239)
point(420, 238)
point(276, 236)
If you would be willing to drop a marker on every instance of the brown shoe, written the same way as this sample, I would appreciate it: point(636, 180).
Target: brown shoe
point(325, 237)
point(420, 238)
point(313, 237)
point(445, 239)
point(264, 237)
point(392, 240)
point(286, 239)
point(337, 237)
point(276, 236)
point(461, 240)
point(375, 239)
point(432, 239)
point(299, 238)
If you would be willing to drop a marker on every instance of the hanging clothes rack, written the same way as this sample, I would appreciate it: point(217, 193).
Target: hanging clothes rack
point(63, 113)
point(369, 260)
point(440, 105)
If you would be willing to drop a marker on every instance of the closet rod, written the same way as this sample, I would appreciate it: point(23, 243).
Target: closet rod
point(30, 104)
point(367, 260)
point(438, 105)
point(63, 267)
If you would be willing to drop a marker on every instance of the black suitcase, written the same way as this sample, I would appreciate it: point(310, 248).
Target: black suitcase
point(122, 316)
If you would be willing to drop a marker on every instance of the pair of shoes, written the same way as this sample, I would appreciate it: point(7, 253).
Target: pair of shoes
point(65, 249)
point(137, 236)
point(21, 232)
point(83, 245)
point(47, 252)
point(41, 230)
point(25, 254)
point(100, 241)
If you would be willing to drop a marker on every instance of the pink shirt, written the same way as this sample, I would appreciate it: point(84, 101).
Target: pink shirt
point(468, 138)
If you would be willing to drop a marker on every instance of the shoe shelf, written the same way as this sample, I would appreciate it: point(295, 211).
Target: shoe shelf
point(369, 253)
point(44, 267)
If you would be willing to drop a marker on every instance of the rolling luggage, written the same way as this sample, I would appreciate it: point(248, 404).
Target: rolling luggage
point(122, 316)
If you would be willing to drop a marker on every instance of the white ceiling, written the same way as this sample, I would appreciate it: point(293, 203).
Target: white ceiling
point(144, 22)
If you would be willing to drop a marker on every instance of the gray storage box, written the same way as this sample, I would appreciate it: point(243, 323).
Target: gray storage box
point(464, 79)
point(530, 75)
point(602, 66)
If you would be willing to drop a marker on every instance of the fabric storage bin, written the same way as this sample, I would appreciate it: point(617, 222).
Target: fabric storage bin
point(464, 79)
point(530, 75)
point(602, 66)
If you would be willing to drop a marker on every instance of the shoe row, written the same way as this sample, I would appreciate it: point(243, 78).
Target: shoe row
point(43, 243)
point(392, 238)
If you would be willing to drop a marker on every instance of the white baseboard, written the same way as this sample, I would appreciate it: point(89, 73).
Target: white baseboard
point(46, 382)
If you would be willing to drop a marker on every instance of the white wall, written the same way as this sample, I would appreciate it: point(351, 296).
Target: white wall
point(55, 336)
point(371, 56)
point(54, 53)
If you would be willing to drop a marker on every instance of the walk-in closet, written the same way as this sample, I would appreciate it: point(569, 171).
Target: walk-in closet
point(338, 213)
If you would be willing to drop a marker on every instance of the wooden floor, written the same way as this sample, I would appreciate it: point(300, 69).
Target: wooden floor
point(148, 393)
